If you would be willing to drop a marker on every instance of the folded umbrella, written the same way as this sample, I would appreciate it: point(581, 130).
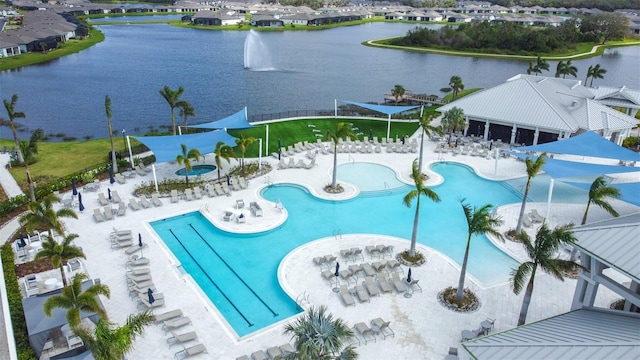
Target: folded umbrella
point(80, 205)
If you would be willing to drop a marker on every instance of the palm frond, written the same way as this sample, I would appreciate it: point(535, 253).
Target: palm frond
point(520, 276)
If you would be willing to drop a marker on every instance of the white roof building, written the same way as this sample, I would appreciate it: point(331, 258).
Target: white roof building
point(530, 109)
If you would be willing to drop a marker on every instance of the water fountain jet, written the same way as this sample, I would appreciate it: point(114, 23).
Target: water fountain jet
point(256, 53)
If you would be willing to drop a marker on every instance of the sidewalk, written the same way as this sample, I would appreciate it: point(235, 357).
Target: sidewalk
point(7, 181)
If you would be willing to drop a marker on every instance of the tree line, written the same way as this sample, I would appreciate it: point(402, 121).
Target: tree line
point(514, 38)
point(606, 5)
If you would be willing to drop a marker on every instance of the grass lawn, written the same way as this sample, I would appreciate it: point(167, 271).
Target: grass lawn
point(57, 159)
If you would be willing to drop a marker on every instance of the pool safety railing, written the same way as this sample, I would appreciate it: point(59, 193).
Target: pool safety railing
point(234, 272)
point(302, 299)
point(386, 186)
point(516, 190)
point(267, 180)
point(353, 161)
point(210, 279)
point(337, 234)
point(204, 207)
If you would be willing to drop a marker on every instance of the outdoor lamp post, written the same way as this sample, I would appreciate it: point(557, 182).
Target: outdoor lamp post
point(124, 140)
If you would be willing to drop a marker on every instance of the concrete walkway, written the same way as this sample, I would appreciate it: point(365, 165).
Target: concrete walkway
point(7, 181)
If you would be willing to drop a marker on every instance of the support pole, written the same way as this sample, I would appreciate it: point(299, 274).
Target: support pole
point(389, 126)
point(130, 152)
point(155, 178)
point(267, 139)
point(549, 198)
point(260, 154)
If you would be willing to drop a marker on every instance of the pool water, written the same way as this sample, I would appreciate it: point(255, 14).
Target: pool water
point(197, 170)
point(239, 272)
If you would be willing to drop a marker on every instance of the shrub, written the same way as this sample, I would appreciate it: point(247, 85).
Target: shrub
point(631, 142)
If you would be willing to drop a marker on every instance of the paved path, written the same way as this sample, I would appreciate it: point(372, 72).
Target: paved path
point(7, 181)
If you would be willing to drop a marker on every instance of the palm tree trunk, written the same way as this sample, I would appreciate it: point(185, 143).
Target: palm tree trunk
point(186, 175)
point(524, 204)
point(463, 272)
point(586, 211)
point(421, 147)
point(527, 299)
point(64, 278)
point(32, 193)
point(335, 166)
point(414, 233)
point(15, 138)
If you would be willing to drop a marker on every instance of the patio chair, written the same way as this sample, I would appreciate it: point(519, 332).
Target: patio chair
point(413, 285)
point(133, 204)
point(384, 283)
point(347, 276)
point(355, 269)
point(241, 219)
point(373, 251)
point(370, 286)
point(144, 168)
point(259, 355)
point(175, 323)
point(191, 351)
point(219, 190)
point(397, 283)
point(383, 327)
point(346, 254)
point(362, 294)
point(174, 196)
point(122, 208)
point(282, 165)
point(211, 191)
point(364, 331)
point(235, 184)
point(144, 202)
point(368, 269)
point(143, 301)
point(115, 197)
point(102, 200)
point(274, 352)
point(139, 171)
point(167, 315)
point(394, 265)
point(346, 297)
point(155, 199)
point(97, 215)
point(181, 338)
point(239, 204)
point(526, 222)
point(188, 194)
point(287, 349)
point(225, 188)
point(197, 192)
point(31, 285)
point(356, 253)
point(227, 216)
point(535, 216)
point(243, 182)
point(120, 179)
point(108, 214)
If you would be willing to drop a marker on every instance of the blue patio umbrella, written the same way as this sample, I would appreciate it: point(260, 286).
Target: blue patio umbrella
point(370, 134)
point(80, 205)
point(109, 193)
point(279, 149)
point(151, 298)
point(22, 243)
point(409, 275)
point(337, 269)
point(228, 180)
point(111, 179)
point(74, 191)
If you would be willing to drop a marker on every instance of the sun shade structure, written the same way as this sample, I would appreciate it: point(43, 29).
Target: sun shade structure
point(630, 192)
point(238, 120)
point(564, 169)
point(586, 144)
point(166, 148)
point(385, 109)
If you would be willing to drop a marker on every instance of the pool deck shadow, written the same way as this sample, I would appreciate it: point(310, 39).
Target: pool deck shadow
point(424, 329)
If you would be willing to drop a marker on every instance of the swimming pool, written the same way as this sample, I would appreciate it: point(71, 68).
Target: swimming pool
point(197, 170)
point(222, 262)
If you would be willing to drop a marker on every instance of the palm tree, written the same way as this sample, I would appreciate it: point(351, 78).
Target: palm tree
point(75, 300)
point(420, 189)
point(185, 159)
point(10, 106)
point(59, 253)
point(186, 110)
point(596, 73)
point(598, 194)
point(109, 341)
point(541, 64)
point(107, 107)
point(479, 221)
point(173, 99)
point(453, 119)
point(565, 68)
point(398, 92)
point(42, 215)
point(223, 151)
point(317, 335)
point(542, 254)
point(242, 143)
point(589, 73)
point(533, 168)
point(427, 130)
point(343, 130)
point(455, 83)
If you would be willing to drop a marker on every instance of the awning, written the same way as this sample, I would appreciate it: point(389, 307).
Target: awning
point(385, 109)
point(586, 144)
point(167, 148)
point(236, 121)
point(565, 169)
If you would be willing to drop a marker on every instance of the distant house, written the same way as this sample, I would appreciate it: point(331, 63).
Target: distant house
point(266, 21)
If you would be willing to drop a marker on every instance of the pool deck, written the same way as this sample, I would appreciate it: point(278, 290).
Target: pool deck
point(423, 328)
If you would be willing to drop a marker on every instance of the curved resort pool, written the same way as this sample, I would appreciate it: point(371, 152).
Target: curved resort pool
point(239, 271)
point(197, 170)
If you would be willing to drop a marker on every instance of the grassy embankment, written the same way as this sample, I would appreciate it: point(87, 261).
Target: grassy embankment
point(70, 47)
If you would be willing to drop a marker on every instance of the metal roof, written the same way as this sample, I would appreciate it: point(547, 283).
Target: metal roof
point(616, 242)
point(587, 333)
point(542, 102)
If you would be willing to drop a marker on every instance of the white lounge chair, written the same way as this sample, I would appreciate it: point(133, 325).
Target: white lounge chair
point(120, 179)
point(175, 323)
point(122, 209)
point(115, 198)
point(535, 216)
point(155, 199)
point(197, 192)
point(174, 196)
point(364, 331)
point(191, 351)
point(383, 327)
point(167, 315)
point(398, 284)
point(133, 204)
point(181, 338)
point(239, 204)
point(108, 214)
point(144, 202)
point(97, 215)
point(102, 200)
point(362, 294)
point(188, 194)
point(346, 297)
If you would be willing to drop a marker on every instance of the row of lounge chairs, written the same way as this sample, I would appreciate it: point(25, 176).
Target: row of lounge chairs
point(379, 251)
point(272, 353)
point(108, 213)
point(378, 327)
point(531, 218)
point(115, 198)
point(144, 203)
point(301, 164)
point(372, 286)
point(123, 239)
point(174, 320)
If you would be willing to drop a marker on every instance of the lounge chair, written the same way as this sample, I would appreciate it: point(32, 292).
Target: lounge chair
point(102, 200)
point(119, 244)
point(301, 164)
point(356, 253)
point(134, 249)
point(383, 327)
point(144, 168)
point(139, 271)
point(191, 351)
point(243, 182)
point(144, 202)
point(347, 276)
point(274, 353)
point(373, 251)
point(319, 260)
point(108, 214)
point(535, 216)
point(122, 208)
point(371, 287)
point(398, 284)
point(31, 285)
point(155, 199)
point(287, 349)
point(355, 270)
point(362, 294)
point(281, 164)
point(143, 302)
point(241, 219)
point(255, 208)
point(136, 261)
point(211, 191)
point(174, 196)
point(197, 192)
point(175, 323)
point(235, 184)
point(141, 289)
point(379, 265)
point(526, 222)
point(181, 338)
point(138, 278)
point(259, 355)
point(188, 194)
point(120, 179)
point(346, 254)
point(384, 283)
point(364, 331)
point(219, 190)
point(97, 215)
point(394, 266)
point(139, 171)
point(225, 188)
point(413, 285)
point(133, 204)
point(346, 297)
point(368, 269)
point(228, 215)
point(168, 315)
point(292, 163)
point(115, 197)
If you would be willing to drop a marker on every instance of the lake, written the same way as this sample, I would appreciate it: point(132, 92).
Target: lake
point(309, 69)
